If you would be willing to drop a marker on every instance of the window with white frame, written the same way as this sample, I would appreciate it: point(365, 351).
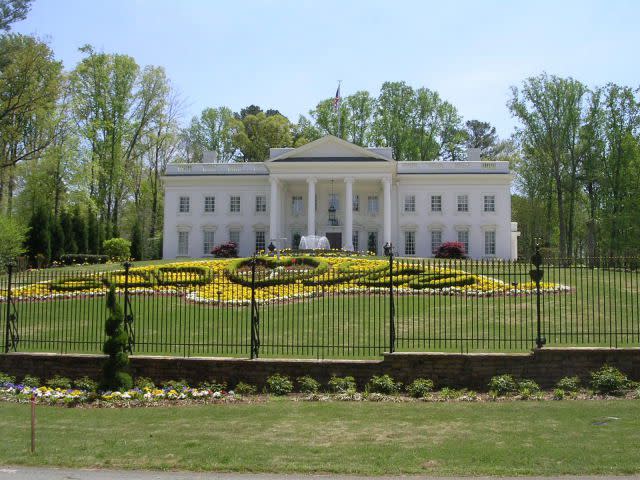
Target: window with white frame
point(436, 240)
point(409, 242)
point(260, 240)
point(355, 240)
point(209, 204)
point(296, 205)
point(261, 204)
point(356, 203)
point(489, 203)
point(436, 203)
point(183, 244)
point(463, 238)
point(184, 205)
point(463, 203)
point(489, 242)
point(234, 204)
point(234, 236)
point(208, 241)
point(372, 205)
point(409, 203)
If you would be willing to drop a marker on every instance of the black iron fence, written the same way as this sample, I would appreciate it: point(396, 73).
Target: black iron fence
point(328, 308)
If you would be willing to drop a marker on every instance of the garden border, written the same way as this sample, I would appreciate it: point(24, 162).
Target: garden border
point(473, 370)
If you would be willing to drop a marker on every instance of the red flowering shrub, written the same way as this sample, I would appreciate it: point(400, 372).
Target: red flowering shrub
point(225, 250)
point(451, 250)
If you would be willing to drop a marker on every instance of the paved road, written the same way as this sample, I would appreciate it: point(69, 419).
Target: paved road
point(31, 473)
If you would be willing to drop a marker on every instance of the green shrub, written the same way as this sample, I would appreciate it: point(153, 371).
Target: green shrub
point(308, 384)
point(86, 383)
point(59, 382)
point(114, 370)
point(279, 384)
point(450, 393)
point(117, 249)
point(569, 384)
point(214, 386)
point(4, 378)
point(420, 387)
point(177, 385)
point(342, 384)
point(144, 382)
point(558, 394)
point(245, 389)
point(528, 389)
point(383, 384)
point(31, 381)
point(609, 380)
point(502, 385)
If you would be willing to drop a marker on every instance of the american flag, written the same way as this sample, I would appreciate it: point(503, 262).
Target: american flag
point(336, 101)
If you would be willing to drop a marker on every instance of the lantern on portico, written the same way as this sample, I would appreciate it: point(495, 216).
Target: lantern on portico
point(332, 207)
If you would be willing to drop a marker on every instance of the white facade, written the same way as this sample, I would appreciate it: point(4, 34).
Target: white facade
point(413, 205)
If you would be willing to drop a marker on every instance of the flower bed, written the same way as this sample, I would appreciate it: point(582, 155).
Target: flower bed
point(76, 283)
point(137, 278)
point(182, 275)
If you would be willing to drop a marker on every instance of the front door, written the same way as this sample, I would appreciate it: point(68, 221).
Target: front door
point(335, 239)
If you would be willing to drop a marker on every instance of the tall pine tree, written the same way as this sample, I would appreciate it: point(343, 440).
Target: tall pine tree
point(80, 233)
point(39, 239)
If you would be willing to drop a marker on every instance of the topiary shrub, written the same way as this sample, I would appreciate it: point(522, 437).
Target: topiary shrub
point(384, 384)
point(114, 370)
point(609, 380)
point(117, 249)
point(308, 384)
point(528, 389)
point(420, 387)
point(502, 385)
point(225, 250)
point(80, 258)
point(243, 388)
point(279, 384)
point(342, 384)
point(451, 250)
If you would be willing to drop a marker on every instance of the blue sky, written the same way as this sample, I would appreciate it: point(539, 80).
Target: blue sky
point(290, 54)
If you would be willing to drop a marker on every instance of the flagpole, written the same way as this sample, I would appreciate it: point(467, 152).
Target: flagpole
point(339, 108)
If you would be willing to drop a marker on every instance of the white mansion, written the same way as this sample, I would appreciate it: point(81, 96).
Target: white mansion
point(359, 198)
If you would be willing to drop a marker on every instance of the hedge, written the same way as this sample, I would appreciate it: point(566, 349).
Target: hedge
point(455, 281)
point(190, 276)
point(319, 267)
point(76, 258)
point(75, 284)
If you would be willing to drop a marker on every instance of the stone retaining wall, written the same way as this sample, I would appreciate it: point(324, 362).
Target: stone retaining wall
point(545, 366)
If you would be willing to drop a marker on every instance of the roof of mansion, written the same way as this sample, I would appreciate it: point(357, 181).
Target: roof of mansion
point(330, 149)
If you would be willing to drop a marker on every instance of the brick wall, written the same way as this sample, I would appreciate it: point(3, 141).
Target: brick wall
point(473, 370)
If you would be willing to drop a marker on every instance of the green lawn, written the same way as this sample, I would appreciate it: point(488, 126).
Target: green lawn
point(603, 309)
point(513, 438)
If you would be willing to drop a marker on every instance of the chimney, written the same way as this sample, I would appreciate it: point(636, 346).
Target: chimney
point(473, 154)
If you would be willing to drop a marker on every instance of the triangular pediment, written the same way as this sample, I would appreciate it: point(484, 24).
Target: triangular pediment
point(328, 149)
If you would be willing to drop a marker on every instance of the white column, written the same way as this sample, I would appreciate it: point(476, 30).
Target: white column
point(386, 183)
point(274, 231)
point(347, 242)
point(311, 206)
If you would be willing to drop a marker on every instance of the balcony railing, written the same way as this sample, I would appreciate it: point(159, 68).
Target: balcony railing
point(453, 167)
point(217, 169)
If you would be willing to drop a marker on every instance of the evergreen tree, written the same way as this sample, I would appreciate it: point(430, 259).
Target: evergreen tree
point(57, 239)
point(66, 221)
point(93, 235)
point(136, 241)
point(114, 370)
point(38, 239)
point(80, 230)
